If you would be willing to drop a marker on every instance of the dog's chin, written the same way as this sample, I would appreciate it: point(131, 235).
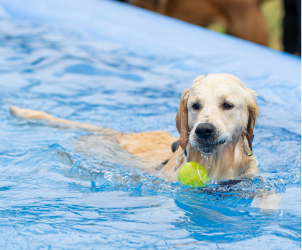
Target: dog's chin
point(208, 148)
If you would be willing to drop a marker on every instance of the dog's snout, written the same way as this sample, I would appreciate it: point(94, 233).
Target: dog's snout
point(205, 130)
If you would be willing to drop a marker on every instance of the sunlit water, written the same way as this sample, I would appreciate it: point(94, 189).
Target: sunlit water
point(56, 197)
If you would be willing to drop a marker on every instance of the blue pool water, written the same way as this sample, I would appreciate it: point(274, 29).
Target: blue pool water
point(85, 64)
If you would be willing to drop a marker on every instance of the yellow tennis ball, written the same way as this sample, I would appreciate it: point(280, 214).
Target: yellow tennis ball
point(193, 174)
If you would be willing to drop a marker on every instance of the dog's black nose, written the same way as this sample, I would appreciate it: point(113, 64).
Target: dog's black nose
point(204, 130)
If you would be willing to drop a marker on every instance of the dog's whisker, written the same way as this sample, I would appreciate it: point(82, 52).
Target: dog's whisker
point(185, 140)
point(185, 131)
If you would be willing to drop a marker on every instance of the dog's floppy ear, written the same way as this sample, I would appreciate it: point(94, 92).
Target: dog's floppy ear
point(253, 112)
point(182, 120)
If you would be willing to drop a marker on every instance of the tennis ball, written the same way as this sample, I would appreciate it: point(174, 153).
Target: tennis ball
point(193, 174)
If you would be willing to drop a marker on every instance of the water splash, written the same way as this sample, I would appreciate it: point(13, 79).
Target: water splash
point(106, 176)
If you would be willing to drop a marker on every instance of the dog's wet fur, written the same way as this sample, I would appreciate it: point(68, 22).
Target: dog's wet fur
point(215, 120)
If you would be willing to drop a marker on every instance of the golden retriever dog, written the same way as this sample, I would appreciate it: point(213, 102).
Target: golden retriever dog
point(242, 18)
point(215, 120)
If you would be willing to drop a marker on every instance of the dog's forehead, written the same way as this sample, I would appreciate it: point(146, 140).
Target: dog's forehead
point(218, 86)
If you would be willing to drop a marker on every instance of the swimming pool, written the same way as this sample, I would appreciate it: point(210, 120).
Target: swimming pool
point(87, 65)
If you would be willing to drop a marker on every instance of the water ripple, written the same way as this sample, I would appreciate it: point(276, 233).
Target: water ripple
point(57, 196)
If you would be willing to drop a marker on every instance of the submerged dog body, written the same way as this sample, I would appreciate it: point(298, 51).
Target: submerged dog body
point(215, 118)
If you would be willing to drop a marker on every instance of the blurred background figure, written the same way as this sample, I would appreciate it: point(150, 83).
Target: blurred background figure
point(259, 21)
point(242, 18)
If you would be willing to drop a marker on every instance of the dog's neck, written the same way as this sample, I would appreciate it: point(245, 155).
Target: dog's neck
point(229, 162)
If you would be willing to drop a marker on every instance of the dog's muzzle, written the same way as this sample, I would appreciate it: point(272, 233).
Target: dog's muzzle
point(206, 138)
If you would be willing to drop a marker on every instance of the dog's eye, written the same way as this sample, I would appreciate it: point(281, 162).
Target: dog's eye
point(227, 105)
point(195, 106)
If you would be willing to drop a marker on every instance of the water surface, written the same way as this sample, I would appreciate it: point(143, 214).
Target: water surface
point(55, 197)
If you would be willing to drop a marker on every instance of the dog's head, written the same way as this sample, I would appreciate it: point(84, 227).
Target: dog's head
point(217, 110)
